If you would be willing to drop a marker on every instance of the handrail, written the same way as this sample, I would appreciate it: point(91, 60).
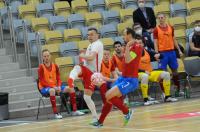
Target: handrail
point(39, 47)
point(1, 33)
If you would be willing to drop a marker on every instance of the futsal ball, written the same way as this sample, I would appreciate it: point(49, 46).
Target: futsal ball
point(97, 79)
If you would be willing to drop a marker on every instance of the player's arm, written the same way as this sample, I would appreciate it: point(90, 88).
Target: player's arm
point(193, 48)
point(129, 55)
point(155, 36)
point(89, 57)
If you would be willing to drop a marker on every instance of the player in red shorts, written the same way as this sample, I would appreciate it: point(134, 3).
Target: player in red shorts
point(125, 84)
point(92, 63)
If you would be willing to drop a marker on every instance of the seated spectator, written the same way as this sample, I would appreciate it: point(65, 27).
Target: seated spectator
point(50, 84)
point(195, 43)
point(146, 74)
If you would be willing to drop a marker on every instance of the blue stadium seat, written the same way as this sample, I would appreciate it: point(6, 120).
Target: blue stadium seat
point(18, 28)
point(110, 17)
point(76, 21)
point(33, 43)
point(45, 10)
point(96, 5)
point(108, 31)
point(14, 2)
point(58, 23)
point(69, 49)
point(50, 1)
point(84, 32)
point(129, 4)
point(150, 3)
point(178, 9)
point(119, 38)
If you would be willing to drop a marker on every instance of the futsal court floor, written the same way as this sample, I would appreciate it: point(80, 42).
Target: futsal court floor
point(182, 116)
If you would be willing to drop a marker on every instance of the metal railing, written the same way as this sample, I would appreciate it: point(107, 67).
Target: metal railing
point(1, 33)
point(12, 35)
point(39, 47)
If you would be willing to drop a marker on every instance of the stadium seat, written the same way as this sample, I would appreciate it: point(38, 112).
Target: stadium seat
point(27, 12)
point(11, 2)
point(191, 19)
point(108, 30)
point(65, 65)
point(69, 49)
point(132, 3)
point(50, 1)
point(58, 23)
point(193, 71)
point(93, 19)
point(126, 14)
point(150, 3)
point(162, 9)
point(178, 9)
point(33, 2)
point(2, 4)
point(119, 38)
point(84, 32)
point(18, 28)
point(180, 37)
point(193, 7)
point(54, 49)
point(62, 8)
point(178, 22)
point(5, 19)
point(96, 5)
point(79, 6)
point(76, 21)
point(180, 1)
point(82, 45)
point(45, 10)
point(72, 35)
point(122, 26)
point(110, 17)
point(107, 42)
point(40, 24)
point(53, 37)
point(113, 4)
point(33, 43)
point(163, 2)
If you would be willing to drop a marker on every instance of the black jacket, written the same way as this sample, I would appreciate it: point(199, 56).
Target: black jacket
point(138, 17)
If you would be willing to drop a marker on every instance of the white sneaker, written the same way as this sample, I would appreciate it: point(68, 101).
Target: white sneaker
point(170, 99)
point(151, 99)
point(148, 103)
point(58, 116)
point(77, 113)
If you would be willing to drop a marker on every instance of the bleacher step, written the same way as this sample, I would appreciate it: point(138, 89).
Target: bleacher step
point(24, 95)
point(12, 74)
point(9, 67)
point(2, 52)
point(5, 59)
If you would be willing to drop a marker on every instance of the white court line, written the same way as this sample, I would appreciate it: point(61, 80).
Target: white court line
point(118, 128)
point(110, 117)
point(11, 122)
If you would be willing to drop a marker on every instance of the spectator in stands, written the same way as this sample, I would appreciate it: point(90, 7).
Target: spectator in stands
point(50, 84)
point(195, 43)
point(145, 35)
point(164, 43)
point(145, 16)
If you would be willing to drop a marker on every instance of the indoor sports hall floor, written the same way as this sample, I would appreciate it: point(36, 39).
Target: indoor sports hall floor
point(182, 116)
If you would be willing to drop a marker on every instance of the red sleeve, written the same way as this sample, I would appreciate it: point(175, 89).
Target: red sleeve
point(114, 63)
point(41, 76)
point(112, 67)
point(58, 76)
point(137, 49)
point(155, 33)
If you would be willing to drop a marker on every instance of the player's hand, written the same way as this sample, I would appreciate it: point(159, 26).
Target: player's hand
point(180, 53)
point(82, 55)
point(130, 43)
point(157, 56)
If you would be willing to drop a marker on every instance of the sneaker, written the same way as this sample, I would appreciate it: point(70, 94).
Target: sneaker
point(93, 121)
point(170, 99)
point(128, 117)
point(151, 99)
point(179, 93)
point(97, 124)
point(148, 103)
point(77, 113)
point(58, 116)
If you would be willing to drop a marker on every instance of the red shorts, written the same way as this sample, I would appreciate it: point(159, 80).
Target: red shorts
point(86, 77)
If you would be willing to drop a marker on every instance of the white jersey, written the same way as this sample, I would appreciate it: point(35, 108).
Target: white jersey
point(95, 65)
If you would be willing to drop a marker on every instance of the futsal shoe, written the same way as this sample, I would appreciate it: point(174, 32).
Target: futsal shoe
point(97, 124)
point(77, 113)
point(128, 117)
point(170, 99)
point(58, 116)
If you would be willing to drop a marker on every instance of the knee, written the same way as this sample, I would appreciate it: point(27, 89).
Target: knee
point(52, 92)
point(145, 79)
point(165, 75)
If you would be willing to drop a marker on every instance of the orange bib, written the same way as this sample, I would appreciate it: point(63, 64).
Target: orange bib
point(145, 62)
point(165, 39)
point(50, 76)
point(106, 70)
point(119, 63)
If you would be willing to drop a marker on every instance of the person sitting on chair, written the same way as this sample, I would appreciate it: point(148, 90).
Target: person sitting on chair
point(50, 84)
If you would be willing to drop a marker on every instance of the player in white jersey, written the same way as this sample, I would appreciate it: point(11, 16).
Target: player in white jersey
point(92, 63)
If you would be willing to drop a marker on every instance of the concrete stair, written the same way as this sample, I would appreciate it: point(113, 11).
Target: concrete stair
point(23, 92)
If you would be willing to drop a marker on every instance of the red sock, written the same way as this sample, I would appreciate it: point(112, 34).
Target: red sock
point(73, 101)
point(104, 112)
point(103, 90)
point(53, 103)
point(118, 102)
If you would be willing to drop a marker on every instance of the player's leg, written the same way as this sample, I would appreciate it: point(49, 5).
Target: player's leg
point(144, 79)
point(103, 90)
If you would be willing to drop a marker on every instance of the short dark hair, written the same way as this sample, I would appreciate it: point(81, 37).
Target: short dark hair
point(139, 37)
point(117, 42)
point(107, 49)
point(93, 29)
point(197, 21)
point(45, 50)
point(130, 31)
